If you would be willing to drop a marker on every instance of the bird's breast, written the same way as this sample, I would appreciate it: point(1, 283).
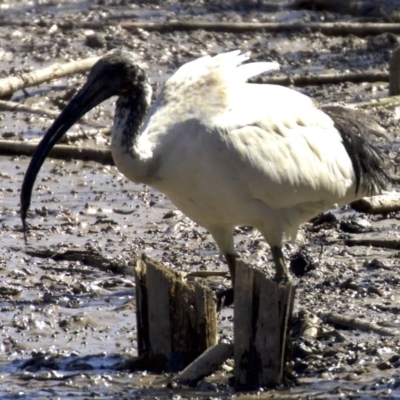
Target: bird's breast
point(137, 163)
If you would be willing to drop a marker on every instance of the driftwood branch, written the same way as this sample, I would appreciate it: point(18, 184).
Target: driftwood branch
point(387, 241)
point(327, 28)
point(90, 257)
point(59, 151)
point(206, 274)
point(10, 85)
point(17, 107)
point(72, 137)
point(389, 202)
point(387, 102)
point(205, 364)
point(356, 323)
point(324, 79)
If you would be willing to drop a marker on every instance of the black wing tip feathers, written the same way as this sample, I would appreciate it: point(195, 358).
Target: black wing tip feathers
point(371, 164)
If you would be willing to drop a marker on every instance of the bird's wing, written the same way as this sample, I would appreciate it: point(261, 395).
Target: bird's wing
point(278, 146)
point(228, 65)
point(204, 88)
point(286, 150)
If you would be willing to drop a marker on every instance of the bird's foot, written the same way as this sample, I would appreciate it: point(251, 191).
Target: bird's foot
point(224, 298)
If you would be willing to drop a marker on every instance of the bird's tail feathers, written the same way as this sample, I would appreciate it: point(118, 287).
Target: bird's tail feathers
point(371, 164)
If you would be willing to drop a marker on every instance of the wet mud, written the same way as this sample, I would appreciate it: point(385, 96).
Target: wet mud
point(67, 297)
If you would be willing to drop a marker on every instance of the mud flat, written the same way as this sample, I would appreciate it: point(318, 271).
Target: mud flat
point(67, 298)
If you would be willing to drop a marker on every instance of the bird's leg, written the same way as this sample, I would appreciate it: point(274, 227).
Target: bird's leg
point(231, 260)
point(280, 264)
point(225, 297)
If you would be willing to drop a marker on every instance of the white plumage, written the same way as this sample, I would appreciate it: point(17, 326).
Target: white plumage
point(226, 152)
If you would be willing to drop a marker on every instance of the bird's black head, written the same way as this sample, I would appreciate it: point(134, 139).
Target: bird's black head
point(118, 73)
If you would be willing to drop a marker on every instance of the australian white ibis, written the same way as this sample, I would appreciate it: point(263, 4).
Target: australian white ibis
point(226, 152)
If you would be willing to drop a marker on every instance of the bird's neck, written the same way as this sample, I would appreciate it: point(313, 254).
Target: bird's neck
point(130, 112)
point(130, 156)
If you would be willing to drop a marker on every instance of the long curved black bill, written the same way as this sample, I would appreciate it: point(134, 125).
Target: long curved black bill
point(92, 93)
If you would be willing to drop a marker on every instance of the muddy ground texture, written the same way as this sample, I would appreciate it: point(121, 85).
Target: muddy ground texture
point(67, 298)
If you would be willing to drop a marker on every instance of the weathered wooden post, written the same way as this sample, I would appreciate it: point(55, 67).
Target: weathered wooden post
point(394, 73)
point(263, 310)
point(176, 320)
